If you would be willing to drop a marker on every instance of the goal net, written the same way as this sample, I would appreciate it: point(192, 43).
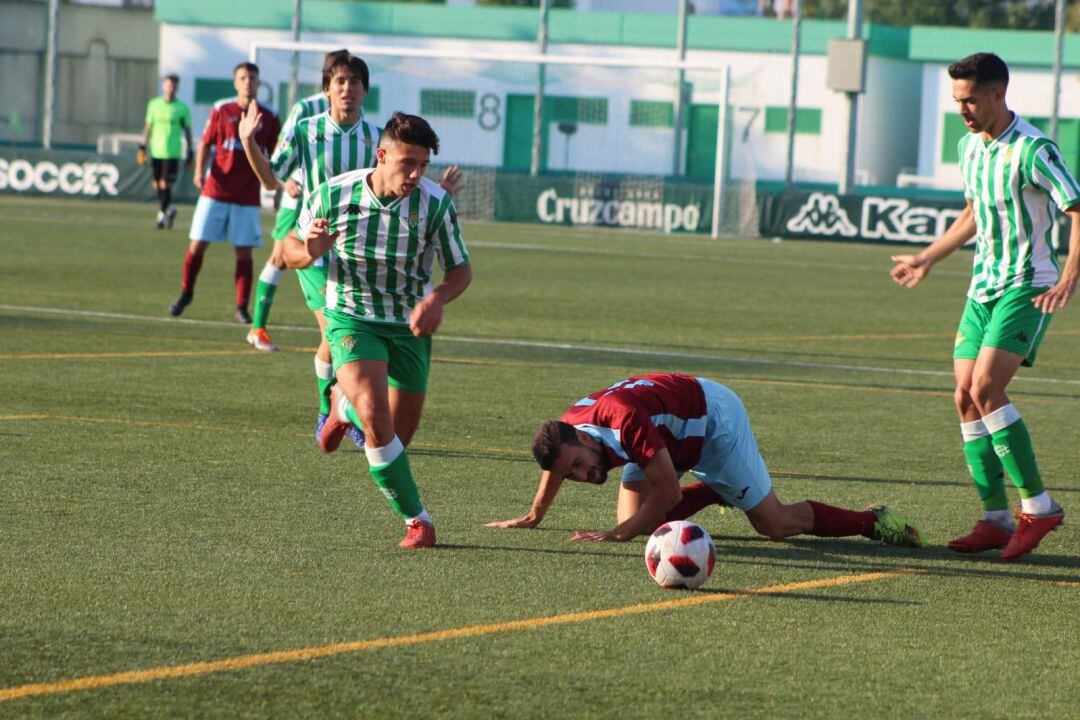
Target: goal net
point(605, 151)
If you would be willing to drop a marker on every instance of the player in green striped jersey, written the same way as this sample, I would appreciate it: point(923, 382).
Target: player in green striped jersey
point(288, 212)
point(386, 226)
point(318, 148)
point(1014, 180)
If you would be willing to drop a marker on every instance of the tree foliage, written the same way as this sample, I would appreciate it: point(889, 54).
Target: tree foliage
point(1001, 14)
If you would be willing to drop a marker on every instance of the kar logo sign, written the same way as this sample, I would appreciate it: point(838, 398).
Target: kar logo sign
point(821, 214)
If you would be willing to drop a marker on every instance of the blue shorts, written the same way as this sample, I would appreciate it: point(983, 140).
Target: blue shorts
point(215, 221)
point(731, 464)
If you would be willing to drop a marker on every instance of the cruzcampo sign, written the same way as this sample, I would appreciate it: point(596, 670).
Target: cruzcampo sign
point(614, 202)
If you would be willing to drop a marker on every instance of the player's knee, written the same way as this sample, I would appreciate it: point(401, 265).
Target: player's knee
point(982, 392)
point(771, 526)
point(962, 398)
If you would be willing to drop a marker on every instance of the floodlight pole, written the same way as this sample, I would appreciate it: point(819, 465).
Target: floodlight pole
point(680, 51)
point(1055, 109)
point(294, 73)
point(720, 169)
point(52, 38)
point(538, 102)
point(1059, 43)
point(796, 34)
point(854, 32)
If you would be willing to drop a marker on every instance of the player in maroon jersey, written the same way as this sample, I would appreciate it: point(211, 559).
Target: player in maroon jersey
point(228, 206)
point(658, 427)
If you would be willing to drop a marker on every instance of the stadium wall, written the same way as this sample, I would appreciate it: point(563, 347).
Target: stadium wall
point(1029, 55)
point(202, 40)
point(106, 71)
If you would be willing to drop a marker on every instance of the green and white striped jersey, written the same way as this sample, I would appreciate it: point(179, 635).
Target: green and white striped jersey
point(307, 107)
point(320, 149)
point(1014, 183)
point(383, 256)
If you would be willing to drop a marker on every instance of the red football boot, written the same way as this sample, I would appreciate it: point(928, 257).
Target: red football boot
point(1030, 531)
point(419, 534)
point(332, 433)
point(986, 535)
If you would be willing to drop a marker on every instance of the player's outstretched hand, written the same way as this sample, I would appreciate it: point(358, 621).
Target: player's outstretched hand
point(909, 270)
point(249, 121)
point(527, 521)
point(318, 237)
point(1056, 297)
point(453, 180)
point(593, 536)
point(426, 317)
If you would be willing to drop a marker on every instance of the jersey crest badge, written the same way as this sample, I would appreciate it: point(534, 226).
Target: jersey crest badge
point(347, 342)
point(414, 219)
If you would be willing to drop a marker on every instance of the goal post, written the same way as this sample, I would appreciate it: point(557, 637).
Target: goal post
point(607, 138)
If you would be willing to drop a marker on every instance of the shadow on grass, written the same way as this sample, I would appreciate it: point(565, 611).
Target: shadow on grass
point(544, 551)
point(470, 455)
point(894, 481)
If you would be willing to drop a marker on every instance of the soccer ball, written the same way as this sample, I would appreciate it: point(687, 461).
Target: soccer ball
point(680, 554)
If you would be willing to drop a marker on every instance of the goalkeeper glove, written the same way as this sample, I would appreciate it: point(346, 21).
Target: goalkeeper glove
point(140, 155)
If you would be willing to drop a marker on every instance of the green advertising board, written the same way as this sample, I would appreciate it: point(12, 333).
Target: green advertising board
point(83, 175)
point(604, 201)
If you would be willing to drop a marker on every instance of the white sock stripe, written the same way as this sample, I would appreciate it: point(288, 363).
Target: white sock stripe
point(342, 408)
point(324, 370)
point(973, 430)
point(1001, 418)
point(385, 454)
point(270, 274)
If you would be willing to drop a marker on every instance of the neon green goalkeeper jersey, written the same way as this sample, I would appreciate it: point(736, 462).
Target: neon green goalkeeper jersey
point(384, 253)
point(166, 118)
point(1014, 183)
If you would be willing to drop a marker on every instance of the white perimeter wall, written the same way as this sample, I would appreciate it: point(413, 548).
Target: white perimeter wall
point(1030, 95)
point(889, 111)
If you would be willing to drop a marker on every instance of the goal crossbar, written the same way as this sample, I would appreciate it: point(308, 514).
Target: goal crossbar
point(722, 69)
point(444, 54)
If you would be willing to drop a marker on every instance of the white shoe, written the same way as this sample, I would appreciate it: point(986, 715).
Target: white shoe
point(260, 340)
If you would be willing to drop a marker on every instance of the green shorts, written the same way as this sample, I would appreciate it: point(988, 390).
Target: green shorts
point(313, 283)
point(285, 222)
point(1010, 322)
point(407, 357)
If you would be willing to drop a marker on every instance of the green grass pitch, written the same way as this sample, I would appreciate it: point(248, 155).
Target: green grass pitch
point(164, 504)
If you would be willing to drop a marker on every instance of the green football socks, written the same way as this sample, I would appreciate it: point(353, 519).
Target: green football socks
point(984, 465)
point(1012, 443)
point(264, 295)
point(389, 466)
point(324, 376)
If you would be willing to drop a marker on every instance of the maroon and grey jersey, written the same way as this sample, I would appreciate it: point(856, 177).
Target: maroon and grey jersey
point(635, 418)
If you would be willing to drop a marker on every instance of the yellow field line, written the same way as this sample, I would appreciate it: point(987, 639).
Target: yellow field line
point(309, 653)
point(85, 356)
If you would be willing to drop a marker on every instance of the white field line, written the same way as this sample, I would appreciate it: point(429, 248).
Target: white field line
point(629, 352)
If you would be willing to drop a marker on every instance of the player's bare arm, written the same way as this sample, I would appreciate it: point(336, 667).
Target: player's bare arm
point(295, 252)
point(664, 493)
point(545, 495)
point(140, 154)
point(246, 129)
point(292, 188)
point(1056, 297)
point(911, 269)
point(200, 164)
point(318, 237)
point(426, 317)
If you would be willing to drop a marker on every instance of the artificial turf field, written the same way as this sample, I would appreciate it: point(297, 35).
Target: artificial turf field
point(175, 545)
